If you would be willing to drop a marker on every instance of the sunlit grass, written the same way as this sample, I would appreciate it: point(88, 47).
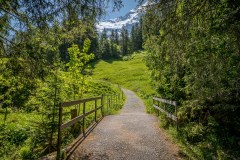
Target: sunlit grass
point(130, 72)
point(19, 118)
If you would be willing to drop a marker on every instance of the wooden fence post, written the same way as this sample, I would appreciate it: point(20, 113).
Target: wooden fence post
point(165, 110)
point(108, 104)
point(111, 102)
point(102, 104)
point(73, 113)
point(95, 111)
point(153, 104)
point(176, 110)
point(79, 109)
point(59, 132)
point(83, 125)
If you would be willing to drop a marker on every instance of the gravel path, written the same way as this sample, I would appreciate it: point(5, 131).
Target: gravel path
point(131, 135)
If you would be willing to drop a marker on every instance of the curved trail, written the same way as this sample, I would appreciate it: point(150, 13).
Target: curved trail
point(131, 135)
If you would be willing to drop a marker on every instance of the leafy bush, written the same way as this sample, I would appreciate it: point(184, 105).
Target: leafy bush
point(26, 153)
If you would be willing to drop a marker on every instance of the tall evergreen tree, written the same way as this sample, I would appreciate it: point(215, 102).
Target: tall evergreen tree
point(116, 37)
point(133, 39)
point(112, 44)
point(140, 35)
point(104, 45)
point(124, 41)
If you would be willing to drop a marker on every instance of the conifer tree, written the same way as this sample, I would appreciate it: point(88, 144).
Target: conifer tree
point(124, 41)
point(116, 37)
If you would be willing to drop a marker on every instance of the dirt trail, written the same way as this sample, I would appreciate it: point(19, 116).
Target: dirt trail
point(131, 135)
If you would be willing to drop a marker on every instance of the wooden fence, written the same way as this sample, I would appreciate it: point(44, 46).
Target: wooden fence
point(108, 100)
point(163, 109)
point(111, 100)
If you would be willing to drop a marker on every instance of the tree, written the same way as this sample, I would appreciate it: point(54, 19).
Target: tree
point(192, 50)
point(133, 41)
point(140, 35)
point(104, 45)
point(124, 41)
point(116, 37)
point(34, 48)
point(77, 63)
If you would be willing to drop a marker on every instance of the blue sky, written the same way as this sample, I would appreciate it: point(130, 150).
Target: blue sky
point(128, 5)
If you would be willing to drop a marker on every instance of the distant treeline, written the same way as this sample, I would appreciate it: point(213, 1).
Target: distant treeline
point(119, 44)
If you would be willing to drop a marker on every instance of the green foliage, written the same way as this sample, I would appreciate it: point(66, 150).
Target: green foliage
point(34, 76)
point(96, 88)
point(11, 138)
point(136, 39)
point(193, 52)
point(26, 153)
point(109, 47)
point(124, 41)
point(118, 45)
point(77, 64)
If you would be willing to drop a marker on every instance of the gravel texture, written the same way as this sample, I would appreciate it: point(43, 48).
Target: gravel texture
point(131, 135)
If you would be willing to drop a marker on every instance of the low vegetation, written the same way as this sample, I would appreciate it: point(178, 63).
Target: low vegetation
point(22, 135)
point(129, 72)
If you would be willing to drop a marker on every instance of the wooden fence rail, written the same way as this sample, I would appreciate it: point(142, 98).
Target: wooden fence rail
point(173, 116)
point(76, 119)
point(111, 100)
point(108, 100)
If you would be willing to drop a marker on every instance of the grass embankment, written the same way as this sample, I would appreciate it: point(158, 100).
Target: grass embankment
point(130, 72)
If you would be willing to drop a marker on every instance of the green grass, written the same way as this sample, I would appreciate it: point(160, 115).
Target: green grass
point(130, 72)
point(15, 132)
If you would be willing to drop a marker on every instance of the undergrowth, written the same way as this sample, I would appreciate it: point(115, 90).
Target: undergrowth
point(20, 134)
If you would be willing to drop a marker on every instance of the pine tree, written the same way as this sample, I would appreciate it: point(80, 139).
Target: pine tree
point(116, 37)
point(133, 39)
point(104, 45)
point(112, 43)
point(124, 41)
point(140, 36)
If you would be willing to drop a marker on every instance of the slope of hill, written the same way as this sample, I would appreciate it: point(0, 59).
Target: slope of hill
point(130, 72)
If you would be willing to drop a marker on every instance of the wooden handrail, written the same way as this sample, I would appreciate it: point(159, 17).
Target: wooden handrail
point(71, 103)
point(62, 127)
point(78, 118)
point(163, 110)
point(174, 103)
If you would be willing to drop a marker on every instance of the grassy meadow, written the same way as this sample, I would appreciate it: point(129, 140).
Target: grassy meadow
point(130, 72)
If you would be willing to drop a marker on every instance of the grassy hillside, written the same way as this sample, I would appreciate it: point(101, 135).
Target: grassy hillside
point(130, 72)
